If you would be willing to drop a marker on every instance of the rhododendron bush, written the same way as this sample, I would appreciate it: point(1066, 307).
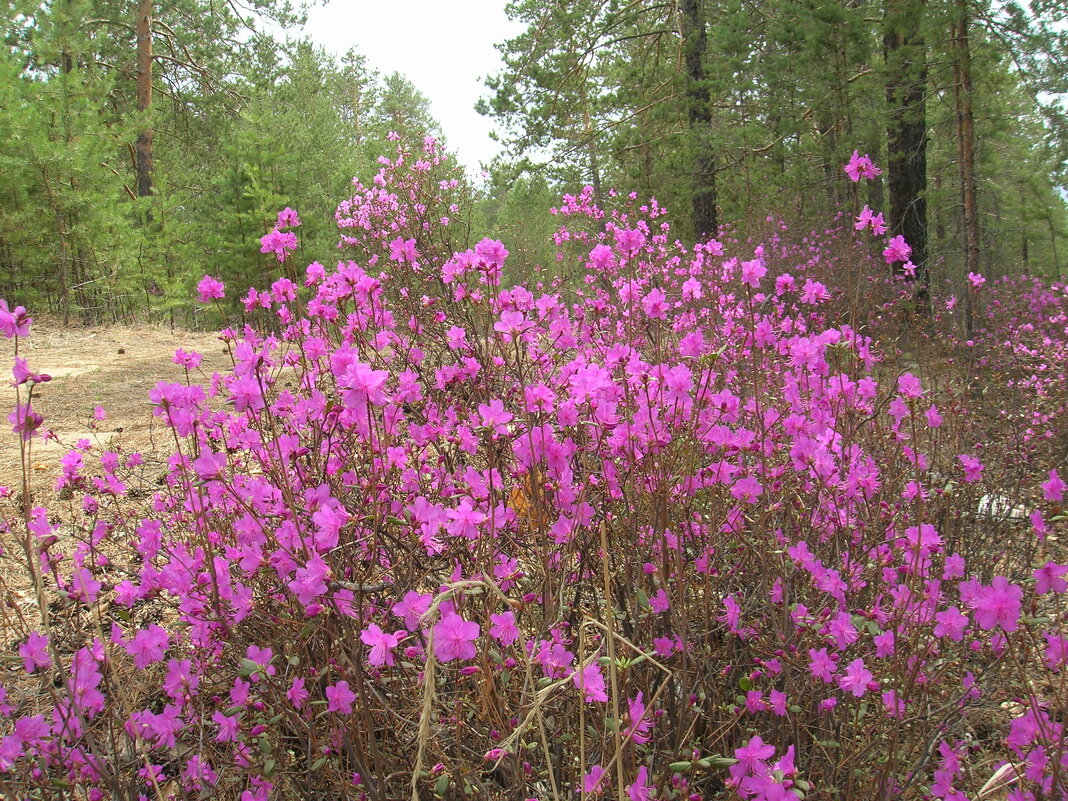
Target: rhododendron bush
point(679, 532)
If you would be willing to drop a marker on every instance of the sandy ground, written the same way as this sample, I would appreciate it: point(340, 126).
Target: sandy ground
point(114, 367)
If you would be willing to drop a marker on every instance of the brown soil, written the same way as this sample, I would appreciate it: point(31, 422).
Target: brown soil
point(114, 367)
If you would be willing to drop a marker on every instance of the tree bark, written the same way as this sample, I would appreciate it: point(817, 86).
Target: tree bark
point(144, 96)
point(695, 43)
point(962, 95)
point(905, 54)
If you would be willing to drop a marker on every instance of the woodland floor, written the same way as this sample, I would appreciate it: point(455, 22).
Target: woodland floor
point(114, 367)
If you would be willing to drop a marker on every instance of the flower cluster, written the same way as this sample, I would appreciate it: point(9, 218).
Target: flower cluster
point(682, 529)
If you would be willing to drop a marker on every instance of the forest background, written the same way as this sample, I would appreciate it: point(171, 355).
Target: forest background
point(144, 143)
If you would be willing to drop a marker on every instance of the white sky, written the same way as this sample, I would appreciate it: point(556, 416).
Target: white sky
point(444, 47)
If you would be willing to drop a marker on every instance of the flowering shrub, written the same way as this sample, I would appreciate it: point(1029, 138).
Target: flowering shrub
point(677, 532)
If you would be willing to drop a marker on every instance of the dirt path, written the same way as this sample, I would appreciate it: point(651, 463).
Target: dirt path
point(114, 367)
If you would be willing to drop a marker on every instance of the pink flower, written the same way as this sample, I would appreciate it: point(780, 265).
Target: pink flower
point(640, 789)
point(493, 415)
point(655, 304)
point(14, 323)
point(287, 218)
point(864, 220)
point(751, 759)
point(1048, 578)
point(821, 665)
point(454, 638)
point(1053, 490)
point(997, 605)
point(897, 250)
point(976, 280)
point(638, 730)
point(909, 386)
point(25, 421)
point(747, 489)
point(855, 679)
point(860, 166)
point(148, 646)
point(503, 628)
point(973, 468)
point(403, 250)
point(278, 243)
point(591, 782)
point(83, 587)
point(210, 288)
point(590, 681)
point(660, 602)
point(411, 608)
point(34, 652)
point(210, 466)
point(752, 272)
point(296, 693)
point(339, 698)
point(512, 324)
point(951, 623)
point(381, 643)
point(228, 726)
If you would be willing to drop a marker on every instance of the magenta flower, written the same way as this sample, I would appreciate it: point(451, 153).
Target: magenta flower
point(228, 726)
point(973, 468)
point(411, 608)
point(210, 289)
point(22, 373)
point(296, 693)
point(638, 730)
point(951, 623)
point(493, 415)
point(821, 665)
point(362, 385)
point(1050, 578)
point(751, 759)
point(909, 386)
point(855, 679)
point(747, 489)
point(512, 324)
point(34, 652)
point(83, 587)
point(897, 250)
point(503, 628)
point(25, 421)
point(287, 218)
point(381, 644)
point(997, 605)
point(591, 682)
point(454, 638)
point(278, 243)
point(860, 166)
point(14, 323)
point(591, 782)
point(752, 272)
point(640, 790)
point(210, 466)
point(1053, 490)
point(655, 304)
point(148, 646)
point(403, 250)
point(339, 698)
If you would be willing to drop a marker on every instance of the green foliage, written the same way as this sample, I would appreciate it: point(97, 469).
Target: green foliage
point(793, 88)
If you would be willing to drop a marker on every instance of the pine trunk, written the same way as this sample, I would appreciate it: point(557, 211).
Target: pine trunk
point(695, 42)
point(906, 86)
